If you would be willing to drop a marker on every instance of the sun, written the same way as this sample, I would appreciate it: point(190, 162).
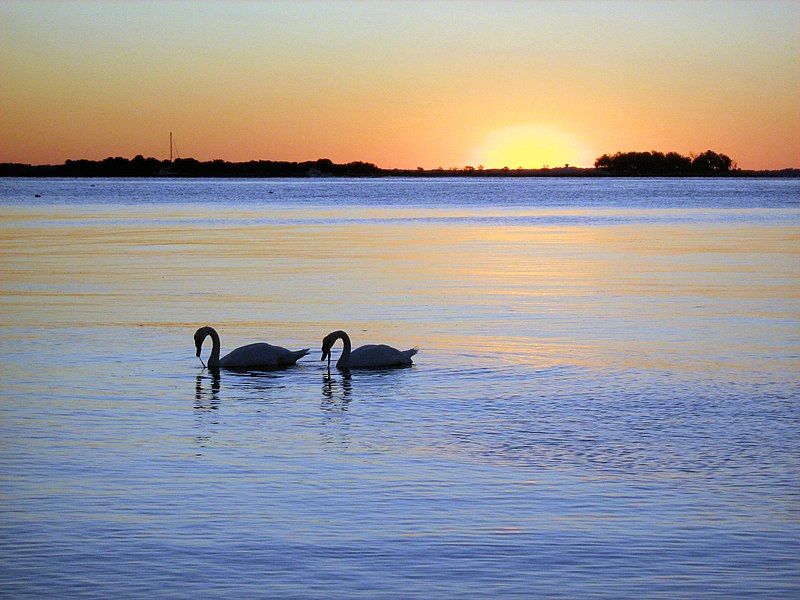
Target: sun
point(532, 146)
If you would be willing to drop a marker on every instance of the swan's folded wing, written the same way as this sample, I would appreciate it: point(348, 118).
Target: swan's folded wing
point(377, 356)
point(261, 355)
point(294, 355)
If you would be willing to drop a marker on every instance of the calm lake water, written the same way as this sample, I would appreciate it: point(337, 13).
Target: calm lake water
point(605, 403)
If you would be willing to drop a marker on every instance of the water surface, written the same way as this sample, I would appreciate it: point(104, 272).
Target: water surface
point(605, 403)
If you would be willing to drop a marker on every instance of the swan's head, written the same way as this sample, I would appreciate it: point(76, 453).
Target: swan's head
point(200, 336)
point(327, 343)
point(326, 347)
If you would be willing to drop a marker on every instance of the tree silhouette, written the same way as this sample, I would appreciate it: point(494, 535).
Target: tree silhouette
point(660, 164)
point(711, 162)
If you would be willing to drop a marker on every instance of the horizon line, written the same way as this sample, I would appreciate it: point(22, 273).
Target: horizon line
point(440, 169)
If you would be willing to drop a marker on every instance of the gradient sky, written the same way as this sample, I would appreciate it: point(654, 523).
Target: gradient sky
point(401, 84)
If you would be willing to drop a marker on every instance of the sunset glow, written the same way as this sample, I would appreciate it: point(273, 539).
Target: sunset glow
point(401, 84)
point(532, 146)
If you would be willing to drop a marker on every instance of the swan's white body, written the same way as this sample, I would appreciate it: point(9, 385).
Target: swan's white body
point(371, 356)
point(253, 356)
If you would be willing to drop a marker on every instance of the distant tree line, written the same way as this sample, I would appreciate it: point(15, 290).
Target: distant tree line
point(621, 164)
point(190, 167)
point(660, 164)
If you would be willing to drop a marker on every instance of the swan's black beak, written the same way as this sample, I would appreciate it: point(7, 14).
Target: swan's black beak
point(198, 352)
point(325, 353)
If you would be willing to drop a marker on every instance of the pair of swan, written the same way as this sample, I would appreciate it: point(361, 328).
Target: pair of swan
point(266, 356)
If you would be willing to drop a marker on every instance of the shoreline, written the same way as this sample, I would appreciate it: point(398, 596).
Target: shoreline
point(147, 168)
point(46, 172)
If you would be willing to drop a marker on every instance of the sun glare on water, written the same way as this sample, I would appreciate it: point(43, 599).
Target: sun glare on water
point(532, 146)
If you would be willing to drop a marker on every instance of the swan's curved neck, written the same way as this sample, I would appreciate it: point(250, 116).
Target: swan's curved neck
point(213, 360)
point(344, 360)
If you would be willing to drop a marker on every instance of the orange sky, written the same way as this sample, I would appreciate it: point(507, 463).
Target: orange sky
point(401, 84)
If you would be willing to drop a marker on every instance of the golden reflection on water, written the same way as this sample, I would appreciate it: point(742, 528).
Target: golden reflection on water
point(650, 295)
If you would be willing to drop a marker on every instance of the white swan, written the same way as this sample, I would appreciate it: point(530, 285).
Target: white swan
point(257, 356)
point(371, 356)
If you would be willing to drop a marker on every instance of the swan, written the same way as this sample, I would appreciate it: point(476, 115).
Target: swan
point(371, 356)
point(260, 355)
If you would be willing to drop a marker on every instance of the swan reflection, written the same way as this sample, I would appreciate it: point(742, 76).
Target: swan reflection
point(336, 394)
point(207, 399)
point(206, 405)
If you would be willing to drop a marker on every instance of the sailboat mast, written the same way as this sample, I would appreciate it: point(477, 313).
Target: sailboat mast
point(170, 146)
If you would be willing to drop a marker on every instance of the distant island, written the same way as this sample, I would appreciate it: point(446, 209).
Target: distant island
point(620, 164)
